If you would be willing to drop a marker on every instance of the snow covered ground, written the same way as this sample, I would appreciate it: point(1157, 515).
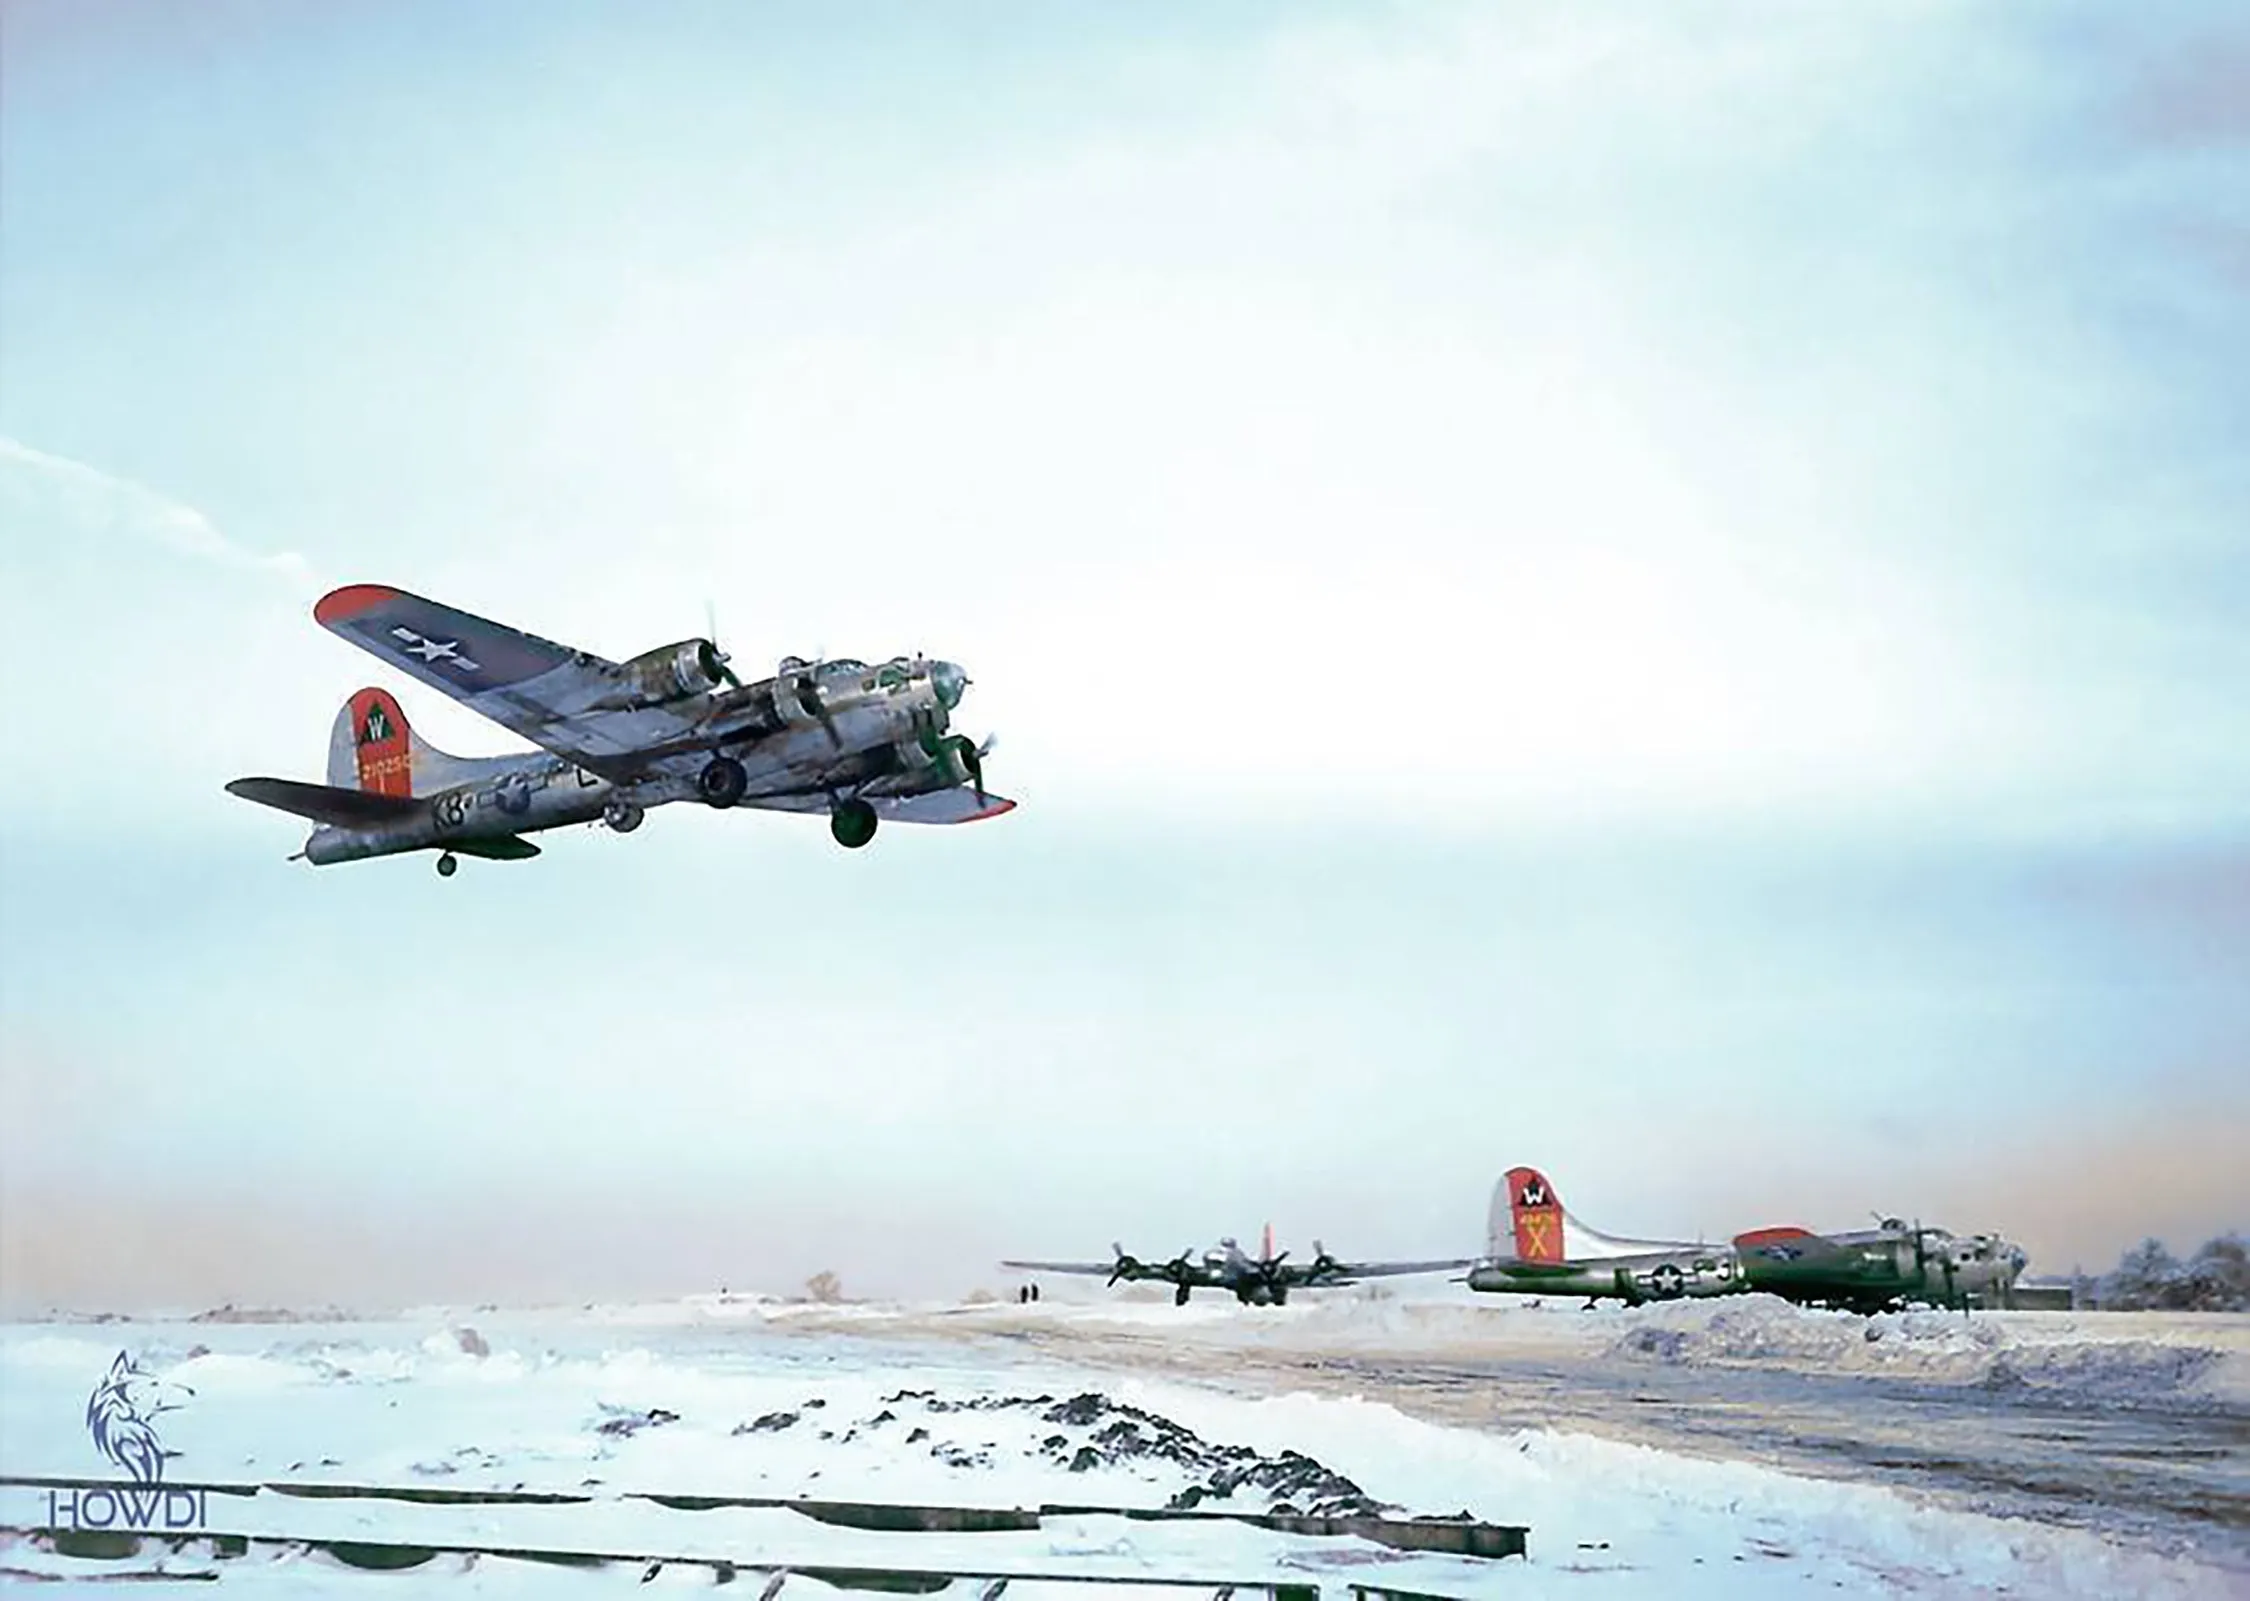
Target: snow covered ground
point(1341, 1406)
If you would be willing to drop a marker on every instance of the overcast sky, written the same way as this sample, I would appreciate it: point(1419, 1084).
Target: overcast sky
point(1658, 590)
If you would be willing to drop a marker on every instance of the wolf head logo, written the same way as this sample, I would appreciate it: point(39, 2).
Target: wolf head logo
point(120, 1416)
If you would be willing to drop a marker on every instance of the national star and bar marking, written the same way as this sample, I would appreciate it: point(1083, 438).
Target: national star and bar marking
point(432, 650)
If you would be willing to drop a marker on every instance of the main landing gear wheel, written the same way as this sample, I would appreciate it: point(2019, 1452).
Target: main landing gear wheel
point(1180, 1295)
point(723, 781)
point(623, 816)
point(853, 824)
point(447, 865)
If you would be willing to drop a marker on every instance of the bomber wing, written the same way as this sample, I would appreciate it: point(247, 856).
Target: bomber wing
point(1796, 1262)
point(1791, 1246)
point(1182, 1269)
point(572, 702)
point(1067, 1267)
point(1327, 1270)
point(957, 805)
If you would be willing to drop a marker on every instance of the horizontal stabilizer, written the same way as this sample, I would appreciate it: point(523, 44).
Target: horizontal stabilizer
point(338, 808)
point(501, 848)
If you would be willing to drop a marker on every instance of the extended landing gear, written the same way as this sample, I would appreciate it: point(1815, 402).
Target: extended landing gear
point(448, 864)
point(623, 816)
point(723, 781)
point(1180, 1296)
point(853, 824)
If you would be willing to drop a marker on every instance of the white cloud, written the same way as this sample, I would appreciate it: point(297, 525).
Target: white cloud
point(57, 489)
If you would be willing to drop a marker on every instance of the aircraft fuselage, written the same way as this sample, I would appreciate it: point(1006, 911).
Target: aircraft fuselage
point(521, 795)
point(1863, 1271)
point(1633, 1279)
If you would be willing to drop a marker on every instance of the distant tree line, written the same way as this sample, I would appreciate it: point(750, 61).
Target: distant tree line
point(2150, 1278)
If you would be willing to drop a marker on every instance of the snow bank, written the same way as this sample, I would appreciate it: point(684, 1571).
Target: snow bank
point(743, 1411)
point(1928, 1346)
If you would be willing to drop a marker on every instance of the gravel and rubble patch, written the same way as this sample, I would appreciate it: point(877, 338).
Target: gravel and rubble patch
point(1084, 1433)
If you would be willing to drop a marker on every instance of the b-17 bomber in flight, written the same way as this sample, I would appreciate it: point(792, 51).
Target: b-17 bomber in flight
point(1538, 1248)
point(862, 744)
point(1263, 1280)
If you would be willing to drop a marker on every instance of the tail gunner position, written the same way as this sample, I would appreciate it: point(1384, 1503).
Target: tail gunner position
point(860, 743)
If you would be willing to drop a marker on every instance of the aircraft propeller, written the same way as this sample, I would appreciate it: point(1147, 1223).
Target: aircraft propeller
point(716, 655)
point(719, 658)
point(1125, 1264)
point(971, 755)
point(972, 758)
point(1945, 1261)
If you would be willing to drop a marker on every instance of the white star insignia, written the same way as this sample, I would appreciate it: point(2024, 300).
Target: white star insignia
point(432, 650)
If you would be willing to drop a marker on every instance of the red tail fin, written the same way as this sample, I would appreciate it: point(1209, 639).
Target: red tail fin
point(1537, 1215)
point(1265, 1253)
point(382, 749)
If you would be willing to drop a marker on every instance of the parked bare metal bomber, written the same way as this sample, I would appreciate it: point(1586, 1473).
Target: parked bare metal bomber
point(1263, 1280)
point(860, 743)
point(1538, 1248)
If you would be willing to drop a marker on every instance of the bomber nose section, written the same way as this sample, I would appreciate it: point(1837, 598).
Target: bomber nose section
point(950, 682)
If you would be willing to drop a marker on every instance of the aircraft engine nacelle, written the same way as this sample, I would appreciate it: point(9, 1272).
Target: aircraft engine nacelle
point(796, 693)
point(675, 672)
point(949, 761)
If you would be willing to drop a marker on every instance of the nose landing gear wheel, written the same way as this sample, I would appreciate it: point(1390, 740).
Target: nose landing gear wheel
point(853, 824)
point(447, 865)
point(722, 781)
point(622, 816)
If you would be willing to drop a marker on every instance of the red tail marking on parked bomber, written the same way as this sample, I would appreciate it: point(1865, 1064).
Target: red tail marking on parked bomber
point(1537, 1216)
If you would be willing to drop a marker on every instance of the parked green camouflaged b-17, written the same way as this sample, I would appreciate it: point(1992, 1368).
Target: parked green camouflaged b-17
point(1538, 1248)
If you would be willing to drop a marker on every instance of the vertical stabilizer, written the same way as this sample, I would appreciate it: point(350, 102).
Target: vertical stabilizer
point(1527, 1218)
point(371, 748)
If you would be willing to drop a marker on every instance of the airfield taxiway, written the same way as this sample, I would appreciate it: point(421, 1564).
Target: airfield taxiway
point(2133, 1426)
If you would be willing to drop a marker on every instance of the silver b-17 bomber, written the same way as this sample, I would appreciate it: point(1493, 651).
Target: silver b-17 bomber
point(1262, 1280)
point(861, 743)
